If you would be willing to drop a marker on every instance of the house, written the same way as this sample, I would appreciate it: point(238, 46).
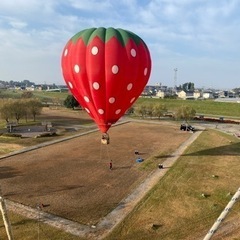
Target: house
point(189, 94)
point(196, 94)
point(207, 94)
point(30, 88)
point(160, 94)
point(182, 94)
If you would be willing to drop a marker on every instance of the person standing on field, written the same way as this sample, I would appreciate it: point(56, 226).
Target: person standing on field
point(110, 165)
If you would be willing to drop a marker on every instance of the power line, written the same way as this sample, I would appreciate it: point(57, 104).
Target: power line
point(222, 216)
point(6, 221)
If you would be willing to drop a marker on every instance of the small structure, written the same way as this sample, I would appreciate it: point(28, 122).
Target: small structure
point(48, 125)
point(10, 126)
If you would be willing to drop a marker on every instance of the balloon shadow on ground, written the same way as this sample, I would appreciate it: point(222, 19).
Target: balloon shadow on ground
point(59, 189)
point(141, 153)
point(123, 167)
point(228, 150)
point(46, 190)
point(8, 172)
point(164, 156)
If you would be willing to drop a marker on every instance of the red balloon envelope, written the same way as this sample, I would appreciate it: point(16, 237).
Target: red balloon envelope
point(106, 70)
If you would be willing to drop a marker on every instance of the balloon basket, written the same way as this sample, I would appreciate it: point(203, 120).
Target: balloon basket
point(105, 139)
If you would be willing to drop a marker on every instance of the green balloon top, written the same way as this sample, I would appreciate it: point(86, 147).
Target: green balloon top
point(106, 34)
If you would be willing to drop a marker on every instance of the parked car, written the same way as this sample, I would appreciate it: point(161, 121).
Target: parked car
point(187, 127)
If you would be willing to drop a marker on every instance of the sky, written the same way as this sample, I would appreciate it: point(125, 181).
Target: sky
point(199, 38)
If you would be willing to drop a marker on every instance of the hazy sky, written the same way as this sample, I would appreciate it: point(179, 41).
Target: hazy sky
point(201, 38)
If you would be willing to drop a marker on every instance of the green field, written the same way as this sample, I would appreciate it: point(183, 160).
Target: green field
point(42, 95)
point(207, 107)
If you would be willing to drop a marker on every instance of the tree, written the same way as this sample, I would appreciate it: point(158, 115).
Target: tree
point(149, 110)
point(159, 110)
point(130, 111)
point(70, 102)
point(34, 107)
point(27, 83)
point(141, 109)
point(6, 110)
point(189, 86)
point(18, 109)
point(185, 112)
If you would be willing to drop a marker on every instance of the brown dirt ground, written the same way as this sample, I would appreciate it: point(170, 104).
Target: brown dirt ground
point(73, 177)
point(62, 117)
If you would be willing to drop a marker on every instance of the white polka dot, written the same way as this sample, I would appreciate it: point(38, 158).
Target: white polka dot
point(101, 111)
point(133, 52)
point(94, 50)
point(129, 86)
point(109, 124)
point(115, 69)
point(132, 100)
point(96, 85)
point(111, 100)
point(87, 110)
point(145, 71)
point(86, 99)
point(118, 111)
point(70, 85)
point(65, 52)
point(76, 68)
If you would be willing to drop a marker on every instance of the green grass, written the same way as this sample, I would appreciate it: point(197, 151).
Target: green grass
point(6, 93)
point(175, 204)
point(50, 95)
point(208, 107)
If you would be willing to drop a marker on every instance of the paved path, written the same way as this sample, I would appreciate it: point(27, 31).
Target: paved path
point(108, 223)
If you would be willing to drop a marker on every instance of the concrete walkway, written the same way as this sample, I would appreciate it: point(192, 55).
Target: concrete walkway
point(108, 223)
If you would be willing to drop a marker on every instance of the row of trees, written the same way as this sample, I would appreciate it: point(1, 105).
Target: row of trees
point(28, 106)
point(20, 108)
point(150, 110)
point(159, 110)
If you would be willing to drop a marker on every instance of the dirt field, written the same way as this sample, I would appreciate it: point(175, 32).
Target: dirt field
point(73, 179)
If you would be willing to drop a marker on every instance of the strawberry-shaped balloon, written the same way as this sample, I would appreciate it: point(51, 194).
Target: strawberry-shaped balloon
point(106, 70)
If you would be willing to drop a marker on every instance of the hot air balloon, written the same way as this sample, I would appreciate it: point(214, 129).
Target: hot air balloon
point(106, 70)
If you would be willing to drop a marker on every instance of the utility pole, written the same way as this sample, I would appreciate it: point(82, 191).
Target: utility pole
point(6, 221)
point(175, 79)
